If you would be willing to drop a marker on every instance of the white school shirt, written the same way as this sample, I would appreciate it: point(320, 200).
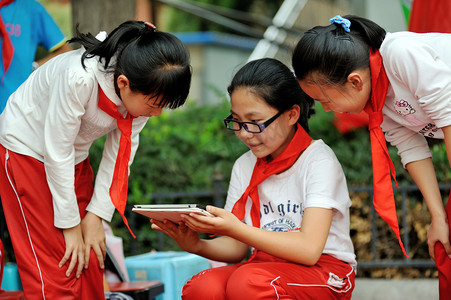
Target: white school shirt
point(54, 118)
point(316, 179)
point(418, 101)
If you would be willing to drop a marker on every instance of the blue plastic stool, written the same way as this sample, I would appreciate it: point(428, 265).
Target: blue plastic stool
point(173, 269)
point(11, 279)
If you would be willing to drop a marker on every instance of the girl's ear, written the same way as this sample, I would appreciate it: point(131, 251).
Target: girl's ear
point(123, 82)
point(293, 114)
point(356, 80)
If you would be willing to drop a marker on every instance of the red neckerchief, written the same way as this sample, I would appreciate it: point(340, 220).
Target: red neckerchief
point(443, 261)
point(119, 183)
point(383, 198)
point(7, 45)
point(2, 261)
point(263, 170)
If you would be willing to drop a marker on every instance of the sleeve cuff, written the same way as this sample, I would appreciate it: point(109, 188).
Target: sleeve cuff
point(410, 156)
point(102, 212)
point(65, 223)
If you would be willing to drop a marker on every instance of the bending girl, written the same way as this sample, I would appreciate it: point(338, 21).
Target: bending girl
point(402, 80)
point(53, 212)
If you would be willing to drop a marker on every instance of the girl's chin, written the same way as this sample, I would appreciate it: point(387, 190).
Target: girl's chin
point(259, 153)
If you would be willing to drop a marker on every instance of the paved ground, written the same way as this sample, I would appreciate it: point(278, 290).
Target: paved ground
point(381, 289)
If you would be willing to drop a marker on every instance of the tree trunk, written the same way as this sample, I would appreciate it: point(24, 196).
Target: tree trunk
point(101, 15)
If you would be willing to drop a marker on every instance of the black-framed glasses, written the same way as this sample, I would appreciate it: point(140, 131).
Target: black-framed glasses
point(252, 127)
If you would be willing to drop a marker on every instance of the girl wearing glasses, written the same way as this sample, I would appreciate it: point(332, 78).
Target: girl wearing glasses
point(287, 201)
point(53, 211)
point(402, 80)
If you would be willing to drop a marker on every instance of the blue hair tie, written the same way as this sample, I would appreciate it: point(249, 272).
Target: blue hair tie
point(345, 23)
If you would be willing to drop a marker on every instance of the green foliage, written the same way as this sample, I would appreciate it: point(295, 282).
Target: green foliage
point(61, 12)
point(182, 150)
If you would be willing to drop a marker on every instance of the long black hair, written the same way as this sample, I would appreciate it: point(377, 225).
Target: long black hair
point(272, 81)
point(333, 53)
point(156, 63)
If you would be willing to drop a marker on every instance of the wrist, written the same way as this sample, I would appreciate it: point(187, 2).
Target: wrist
point(439, 218)
point(199, 248)
point(438, 213)
point(239, 230)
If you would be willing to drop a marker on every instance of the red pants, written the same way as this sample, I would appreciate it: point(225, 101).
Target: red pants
point(268, 277)
point(443, 262)
point(38, 244)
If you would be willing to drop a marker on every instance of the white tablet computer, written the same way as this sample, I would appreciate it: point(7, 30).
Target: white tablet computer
point(170, 212)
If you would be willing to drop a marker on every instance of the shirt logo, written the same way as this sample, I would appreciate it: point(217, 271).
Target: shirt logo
point(405, 110)
point(13, 30)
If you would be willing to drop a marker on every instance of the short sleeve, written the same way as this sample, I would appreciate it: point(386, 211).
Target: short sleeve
point(326, 183)
point(48, 34)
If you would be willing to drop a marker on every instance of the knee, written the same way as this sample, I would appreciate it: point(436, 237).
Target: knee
point(241, 282)
point(253, 280)
point(202, 286)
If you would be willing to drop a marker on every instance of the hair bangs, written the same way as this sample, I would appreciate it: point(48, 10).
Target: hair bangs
point(170, 84)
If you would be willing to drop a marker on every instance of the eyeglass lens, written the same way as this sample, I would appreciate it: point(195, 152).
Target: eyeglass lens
point(249, 127)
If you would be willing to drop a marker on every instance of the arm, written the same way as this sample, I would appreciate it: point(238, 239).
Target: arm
point(422, 172)
point(65, 108)
point(305, 246)
point(430, 86)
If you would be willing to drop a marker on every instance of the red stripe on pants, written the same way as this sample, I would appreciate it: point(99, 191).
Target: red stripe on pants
point(38, 244)
point(268, 277)
point(443, 262)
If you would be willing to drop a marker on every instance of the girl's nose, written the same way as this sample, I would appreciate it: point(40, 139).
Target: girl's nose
point(243, 133)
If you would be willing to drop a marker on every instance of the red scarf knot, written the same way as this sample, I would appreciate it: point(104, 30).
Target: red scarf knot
point(263, 169)
point(375, 119)
point(119, 183)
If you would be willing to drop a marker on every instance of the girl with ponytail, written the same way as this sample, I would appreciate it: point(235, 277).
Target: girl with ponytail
point(53, 210)
point(403, 81)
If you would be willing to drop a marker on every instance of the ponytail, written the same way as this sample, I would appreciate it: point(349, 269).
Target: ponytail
point(372, 34)
point(333, 52)
point(156, 63)
point(116, 40)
